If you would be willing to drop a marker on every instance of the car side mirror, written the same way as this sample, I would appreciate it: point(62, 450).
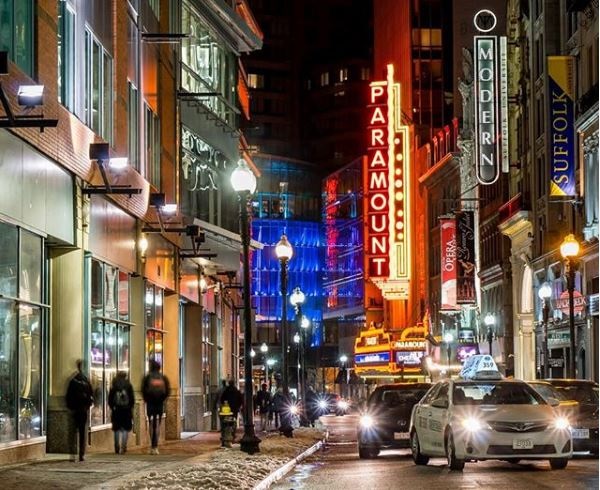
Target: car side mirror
point(553, 402)
point(440, 403)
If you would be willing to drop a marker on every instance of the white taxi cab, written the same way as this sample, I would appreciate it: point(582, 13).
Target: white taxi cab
point(483, 416)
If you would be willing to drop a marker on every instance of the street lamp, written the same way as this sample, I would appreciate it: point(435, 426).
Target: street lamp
point(569, 249)
point(490, 321)
point(270, 363)
point(284, 252)
point(243, 182)
point(448, 338)
point(297, 299)
point(343, 361)
point(545, 293)
point(264, 348)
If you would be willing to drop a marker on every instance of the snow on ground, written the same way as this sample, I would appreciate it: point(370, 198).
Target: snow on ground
point(230, 468)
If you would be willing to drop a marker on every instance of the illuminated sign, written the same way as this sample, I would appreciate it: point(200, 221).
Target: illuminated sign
point(465, 257)
point(491, 101)
point(409, 358)
point(386, 184)
point(409, 344)
point(448, 265)
point(372, 358)
point(465, 351)
point(561, 87)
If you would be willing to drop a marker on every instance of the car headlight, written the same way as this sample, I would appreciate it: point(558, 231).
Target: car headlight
point(322, 404)
point(472, 424)
point(343, 404)
point(562, 423)
point(366, 421)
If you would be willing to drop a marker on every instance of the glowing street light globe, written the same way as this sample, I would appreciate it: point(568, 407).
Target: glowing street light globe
point(344, 358)
point(448, 337)
point(569, 247)
point(545, 291)
point(297, 297)
point(489, 320)
point(252, 353)
point(270, 362)
point(305, 322)
point(264, 348)
point(283, 249)
point(242, 178)
point(296, 338)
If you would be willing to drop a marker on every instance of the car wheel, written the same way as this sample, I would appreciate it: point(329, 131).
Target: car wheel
point(453, 462)
point(418, 457)
point(558, 463)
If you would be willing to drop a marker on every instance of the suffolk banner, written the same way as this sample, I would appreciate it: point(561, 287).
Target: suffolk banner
point(448, 265)
point(465, 257)
point(561, 88)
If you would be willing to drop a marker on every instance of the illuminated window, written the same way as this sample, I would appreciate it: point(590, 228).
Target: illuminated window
point(153, 314)
point(66, 56)
point(365, 73)
point(133, 143)
point(324, 79)
point(16, 32)
point(343, 74)
point(98, 87)
point(152, 147)
point(256, 81)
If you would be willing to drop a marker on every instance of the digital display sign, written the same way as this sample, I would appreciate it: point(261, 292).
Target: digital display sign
point(372, 358)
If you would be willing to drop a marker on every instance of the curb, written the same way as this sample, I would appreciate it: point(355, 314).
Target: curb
point(286, 468)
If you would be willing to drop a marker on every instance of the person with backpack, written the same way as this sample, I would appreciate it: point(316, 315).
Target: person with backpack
point(79, 399)
point(155, 390)
point(121, 401)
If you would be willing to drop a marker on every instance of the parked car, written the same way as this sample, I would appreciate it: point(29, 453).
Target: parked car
point(483, 416)
point(585, 426)
point(386, 417)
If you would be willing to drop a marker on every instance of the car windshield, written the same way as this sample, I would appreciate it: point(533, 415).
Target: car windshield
point(391, 397)
point(495, 393)
point(548, 391)
point(587, 394)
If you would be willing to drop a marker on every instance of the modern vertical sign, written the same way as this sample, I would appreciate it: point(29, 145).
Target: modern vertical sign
point(491, 100)
point(465, 257)
point(386, 184)
point(448, 265)
point(561, 89)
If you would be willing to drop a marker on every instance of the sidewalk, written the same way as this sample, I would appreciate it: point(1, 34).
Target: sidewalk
point(195, 462)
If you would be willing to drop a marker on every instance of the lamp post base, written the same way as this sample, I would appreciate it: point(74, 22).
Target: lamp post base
point(249, 442)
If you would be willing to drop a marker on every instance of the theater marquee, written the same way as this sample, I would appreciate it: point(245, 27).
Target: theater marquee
point(386, 184)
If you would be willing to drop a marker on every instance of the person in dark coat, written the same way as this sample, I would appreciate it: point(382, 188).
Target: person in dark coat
point(263, 403)
point(311, 406)
point(278, 405)
point(233, 397)
point(155, 390)
point(79, 399)
point(121, 401)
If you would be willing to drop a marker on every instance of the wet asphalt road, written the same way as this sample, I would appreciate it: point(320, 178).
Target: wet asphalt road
point(338, 467)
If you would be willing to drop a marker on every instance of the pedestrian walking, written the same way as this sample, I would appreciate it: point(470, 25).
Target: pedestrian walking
point(234, 397)
point(79, 399)
point(278, 405)
point(263, 403)
point(155, 390)
point(311, 406)
point(121, 401)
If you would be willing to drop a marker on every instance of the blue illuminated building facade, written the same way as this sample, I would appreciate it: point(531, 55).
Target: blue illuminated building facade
point(287, 202)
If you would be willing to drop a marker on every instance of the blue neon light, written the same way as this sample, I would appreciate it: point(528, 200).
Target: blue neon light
point(372, 358)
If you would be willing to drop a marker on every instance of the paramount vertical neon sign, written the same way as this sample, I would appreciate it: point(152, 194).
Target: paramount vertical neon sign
point(386, 179)
point(491, 100)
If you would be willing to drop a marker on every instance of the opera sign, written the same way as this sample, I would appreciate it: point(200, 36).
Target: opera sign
point(491, 100)
point(563, 302)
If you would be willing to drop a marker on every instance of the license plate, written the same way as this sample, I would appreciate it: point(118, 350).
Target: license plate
point(522, 444)
point(401, 435)
point(580, 433)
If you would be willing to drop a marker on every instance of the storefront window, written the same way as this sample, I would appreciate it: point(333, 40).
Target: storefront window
point(22, 316)
point(154, 324)
point(109, 333)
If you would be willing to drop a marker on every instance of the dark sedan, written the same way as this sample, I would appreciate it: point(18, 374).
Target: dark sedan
point(585, 426)
point(386, 418)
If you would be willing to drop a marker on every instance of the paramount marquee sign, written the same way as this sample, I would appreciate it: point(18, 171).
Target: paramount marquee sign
point(386, 184)
point(491, 100)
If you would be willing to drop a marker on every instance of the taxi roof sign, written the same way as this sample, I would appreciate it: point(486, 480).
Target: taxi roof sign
point(480, 366)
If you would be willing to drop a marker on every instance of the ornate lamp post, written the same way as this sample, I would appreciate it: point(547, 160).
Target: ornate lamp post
point(545, 293)
point(569, 249)
point(297, 342)
point(243, 182)
point(490, 321)
point(297, 299)
point(270, 364)
point(344, 363)
point(264, 348)
point(284, 252)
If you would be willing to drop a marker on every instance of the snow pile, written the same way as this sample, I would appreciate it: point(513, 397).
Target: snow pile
point(231, 468)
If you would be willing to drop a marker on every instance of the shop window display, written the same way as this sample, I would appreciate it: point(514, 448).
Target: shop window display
point(22, 314)
point(153, 307)
point(109, 333)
